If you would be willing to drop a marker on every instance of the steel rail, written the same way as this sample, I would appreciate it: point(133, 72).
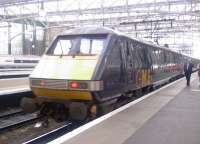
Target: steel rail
point(11, 113)
point(13, 124)
point(45, 138)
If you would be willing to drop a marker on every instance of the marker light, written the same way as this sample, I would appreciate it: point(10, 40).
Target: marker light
point(42, 83)
point(74, 84)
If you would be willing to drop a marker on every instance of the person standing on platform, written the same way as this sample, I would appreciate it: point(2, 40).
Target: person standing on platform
point(188, 71)
point(199, 73)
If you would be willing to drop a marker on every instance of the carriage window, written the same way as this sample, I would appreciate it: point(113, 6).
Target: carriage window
point(77, 45)
point(91, 46)
point(85, 46)
point(63, 46)
point(97, 46)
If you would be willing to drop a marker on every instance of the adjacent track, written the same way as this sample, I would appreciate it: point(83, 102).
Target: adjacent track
point(16, 119)
point(11, 112)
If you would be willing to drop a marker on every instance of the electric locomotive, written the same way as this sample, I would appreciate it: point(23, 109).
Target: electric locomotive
point(86, 71)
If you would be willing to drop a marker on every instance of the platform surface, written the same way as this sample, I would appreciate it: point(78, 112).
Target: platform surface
point(170, 115)
point(13, 85)
point(14, 73)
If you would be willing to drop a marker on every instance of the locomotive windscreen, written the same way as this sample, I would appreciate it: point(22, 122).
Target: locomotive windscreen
point(78, 45)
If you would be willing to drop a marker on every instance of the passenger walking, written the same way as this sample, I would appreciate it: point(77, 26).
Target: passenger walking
point(199, 73)
point(188, 71)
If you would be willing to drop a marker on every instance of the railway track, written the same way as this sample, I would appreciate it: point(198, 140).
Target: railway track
point(11, 112)
point(16, 119)
point(52, 134)
point(47, 137)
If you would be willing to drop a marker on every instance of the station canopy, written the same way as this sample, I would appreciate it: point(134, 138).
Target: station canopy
point(172, 22)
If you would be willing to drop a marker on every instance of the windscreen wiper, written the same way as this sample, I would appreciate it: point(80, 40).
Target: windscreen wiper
point(61, 50)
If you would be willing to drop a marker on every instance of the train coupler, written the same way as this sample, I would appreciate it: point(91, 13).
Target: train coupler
point(45, 113)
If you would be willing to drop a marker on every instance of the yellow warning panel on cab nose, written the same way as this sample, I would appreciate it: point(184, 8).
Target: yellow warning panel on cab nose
point(78, 68)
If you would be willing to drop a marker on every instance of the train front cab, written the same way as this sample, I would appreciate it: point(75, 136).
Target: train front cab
point(65, 74)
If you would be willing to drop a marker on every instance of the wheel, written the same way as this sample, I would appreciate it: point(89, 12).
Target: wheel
point(78, 111)
point(28, 104)
point(138, 93)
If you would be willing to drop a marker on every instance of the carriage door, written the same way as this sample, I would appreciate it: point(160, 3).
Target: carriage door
point(126, 61)
point(129, 60)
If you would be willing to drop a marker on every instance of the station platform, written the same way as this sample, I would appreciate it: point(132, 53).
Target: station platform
point(13, 85)
point(169, 115)
point(14, 73)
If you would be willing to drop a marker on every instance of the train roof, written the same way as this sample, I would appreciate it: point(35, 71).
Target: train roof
point(101, 30)
point(90, 30)
point(106, 30)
